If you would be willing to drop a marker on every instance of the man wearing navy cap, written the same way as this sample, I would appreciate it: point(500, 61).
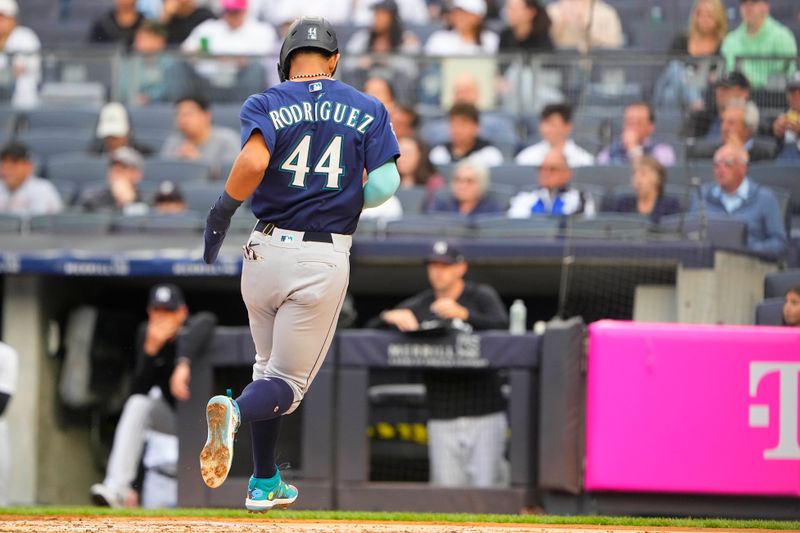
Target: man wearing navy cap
point(162, 377)
point(467, 425)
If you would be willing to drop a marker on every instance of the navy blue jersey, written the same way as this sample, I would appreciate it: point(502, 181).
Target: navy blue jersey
point(321, 135)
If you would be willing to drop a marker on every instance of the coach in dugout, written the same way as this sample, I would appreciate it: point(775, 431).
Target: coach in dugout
point(467, 426)
point(162, 377)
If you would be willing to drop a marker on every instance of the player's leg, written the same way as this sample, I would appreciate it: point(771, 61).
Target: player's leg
point(316, 279)
point(446, 453)
point(260, 290)
point(488, 435)
point(126, 451)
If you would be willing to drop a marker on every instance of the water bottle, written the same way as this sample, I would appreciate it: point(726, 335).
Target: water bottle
point(518, 315)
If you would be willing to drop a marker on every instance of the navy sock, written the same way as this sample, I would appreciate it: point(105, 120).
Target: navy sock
point(264, 399)
point(265, 440)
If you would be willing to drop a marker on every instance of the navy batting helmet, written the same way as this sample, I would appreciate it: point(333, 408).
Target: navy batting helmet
point(306, 32)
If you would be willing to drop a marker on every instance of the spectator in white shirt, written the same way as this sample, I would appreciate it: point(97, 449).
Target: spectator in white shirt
point(233, 34)
point(19, 53)
point(21, 192)
point(555, 127)
point(555, 195)
point(465, 140)
point(468, 36)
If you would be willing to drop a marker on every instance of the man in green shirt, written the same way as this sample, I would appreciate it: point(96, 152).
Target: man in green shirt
point(759, 35)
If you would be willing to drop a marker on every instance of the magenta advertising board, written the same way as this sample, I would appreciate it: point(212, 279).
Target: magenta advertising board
point(693, 409)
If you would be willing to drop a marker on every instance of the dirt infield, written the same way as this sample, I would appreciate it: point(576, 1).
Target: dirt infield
point(88, 524)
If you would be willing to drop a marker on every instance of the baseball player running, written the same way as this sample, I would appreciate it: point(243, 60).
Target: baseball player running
point(305, 145)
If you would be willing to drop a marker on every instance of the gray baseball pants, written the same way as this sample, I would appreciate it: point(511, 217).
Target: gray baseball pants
point(293, 290)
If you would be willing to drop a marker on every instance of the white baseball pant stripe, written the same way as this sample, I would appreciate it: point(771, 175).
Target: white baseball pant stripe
point(293, 290)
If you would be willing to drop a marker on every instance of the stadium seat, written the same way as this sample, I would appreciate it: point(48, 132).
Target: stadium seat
point(500, 226)
point(77, 168)
point(155, 224)
point(226, 115)
point(434, 225)
point(152, 117)
point(201, 196)
point(49, 142)
point(10, 223)
point(68, 190)
point(176, 170)
point(9, 118)
point(720, 231)
point(72, 223)
point(770, 312)
point(47, 118)
point(607, 177)
point(617, 226)
point(786, 177)
point(777, 283)
point(412, 199)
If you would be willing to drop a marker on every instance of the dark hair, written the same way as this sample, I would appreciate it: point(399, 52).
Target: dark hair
point(425, 168)
point(651, 114)
point(15, 151)
point(395, 32)
point(465, 110)
point(153, 26)
point(795, 289)
point(541, 22)
point(402, 108)
point(202, 101)
point(563, 110)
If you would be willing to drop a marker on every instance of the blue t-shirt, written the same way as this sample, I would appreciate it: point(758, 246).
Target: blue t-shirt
point(321, 135)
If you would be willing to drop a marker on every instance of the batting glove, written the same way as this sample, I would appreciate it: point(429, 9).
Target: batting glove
point(217, 224)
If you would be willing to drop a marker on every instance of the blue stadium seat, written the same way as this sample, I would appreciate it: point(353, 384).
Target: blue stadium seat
point(49, 142)
point(412, 199)
point(72, 223)
point(435, 225)
point(156, 224)
point(607, 225)
point(770, 312)
point(77, 167)
point(60, 117)
point(786, 177)
point(176, 170)
point(719, 230)
point(777, 284)
point(201, 196)
point(152, 117)
point(607, 177)
point(10, 223)
point(500, 226)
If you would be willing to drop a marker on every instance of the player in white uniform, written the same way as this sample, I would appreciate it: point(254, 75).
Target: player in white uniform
point(8, 385)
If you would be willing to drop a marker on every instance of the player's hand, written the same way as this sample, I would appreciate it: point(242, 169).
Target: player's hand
point(217, 226)
point(188, 150)
point(448, 309)
point(159, 331)
point(402, 319)
point(179, 381)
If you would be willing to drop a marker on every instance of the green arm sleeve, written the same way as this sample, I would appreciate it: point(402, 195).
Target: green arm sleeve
point(382, 184)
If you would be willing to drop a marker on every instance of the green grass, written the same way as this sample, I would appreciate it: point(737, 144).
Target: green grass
point(410, 517)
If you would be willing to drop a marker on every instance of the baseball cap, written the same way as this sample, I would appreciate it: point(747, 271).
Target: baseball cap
point(9, 8)
point(128, 157)
point(234, 5)
point(113, 121)
point(793, 82)
point(734, 78)
point(388, 5)
point(445, 252)
point(168, 192)
point(165, 296)
point(476, 7)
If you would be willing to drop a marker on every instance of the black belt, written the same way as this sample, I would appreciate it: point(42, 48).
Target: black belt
point(315, 236)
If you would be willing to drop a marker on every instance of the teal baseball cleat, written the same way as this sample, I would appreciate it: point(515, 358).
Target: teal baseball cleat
point(264, 494)
point(222, 416)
